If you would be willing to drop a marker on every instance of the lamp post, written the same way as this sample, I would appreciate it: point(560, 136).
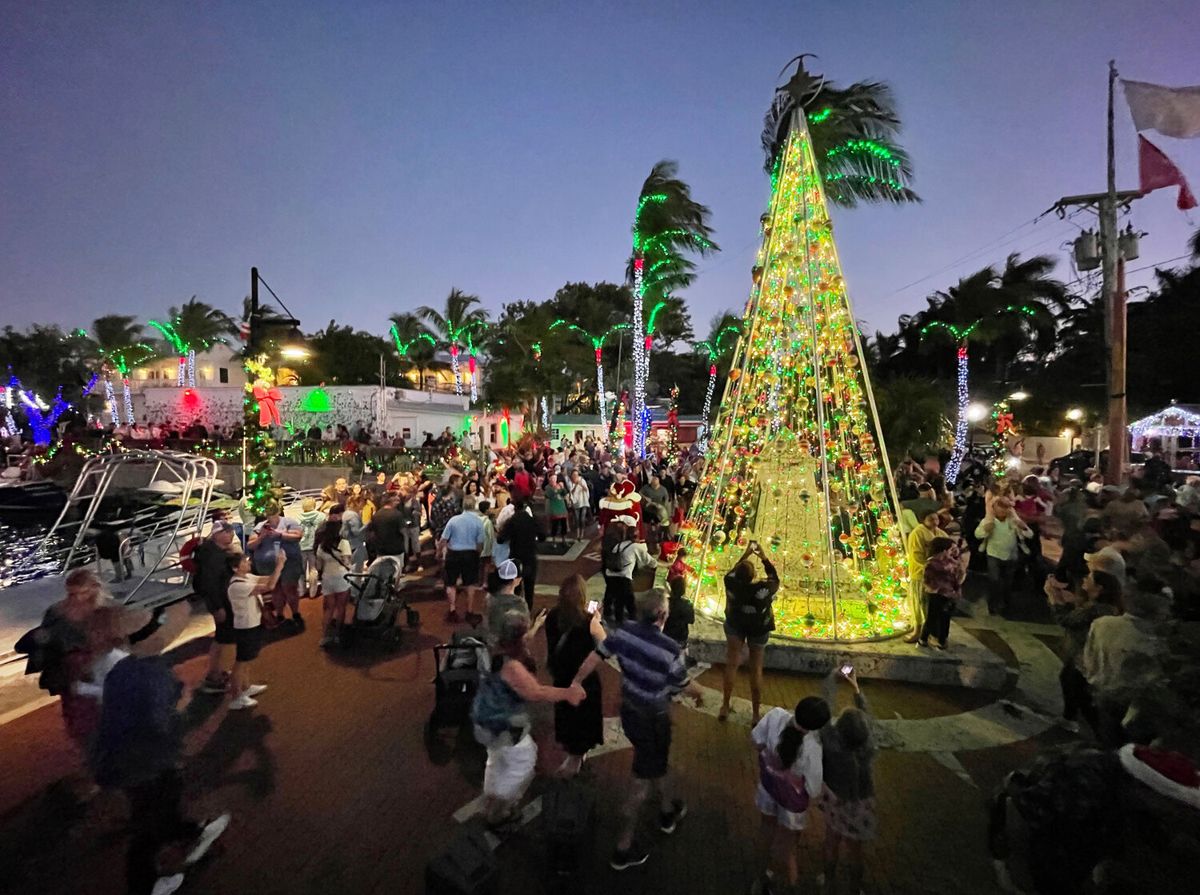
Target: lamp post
point(257, 443)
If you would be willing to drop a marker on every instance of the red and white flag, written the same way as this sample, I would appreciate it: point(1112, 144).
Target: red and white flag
point(1172, 111)
point(1156, 171)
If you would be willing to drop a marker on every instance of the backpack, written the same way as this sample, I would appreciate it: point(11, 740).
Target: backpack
point(492, 709)
point(614, 559)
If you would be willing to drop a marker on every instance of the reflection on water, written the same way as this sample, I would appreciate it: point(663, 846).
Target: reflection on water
point(17, 545)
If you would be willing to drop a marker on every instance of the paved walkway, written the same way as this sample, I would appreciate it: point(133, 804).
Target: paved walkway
point(336, 786)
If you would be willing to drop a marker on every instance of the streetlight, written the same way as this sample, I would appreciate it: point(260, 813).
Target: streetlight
point(1019, 395)
point(1075, 414)
point(977, 412)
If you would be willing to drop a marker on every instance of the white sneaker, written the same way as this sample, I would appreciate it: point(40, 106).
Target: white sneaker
point(242, 702)
point(211, 832)
point(167, 884)
point(255, 689)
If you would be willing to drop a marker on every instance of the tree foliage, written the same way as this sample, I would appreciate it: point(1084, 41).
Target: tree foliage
point(855, 133)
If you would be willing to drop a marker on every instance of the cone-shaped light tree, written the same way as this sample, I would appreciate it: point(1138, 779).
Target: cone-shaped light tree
point(796, 460)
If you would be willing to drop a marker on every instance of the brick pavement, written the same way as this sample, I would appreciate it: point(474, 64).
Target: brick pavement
point(335, 787)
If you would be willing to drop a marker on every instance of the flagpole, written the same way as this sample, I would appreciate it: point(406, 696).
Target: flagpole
point(1114, 307)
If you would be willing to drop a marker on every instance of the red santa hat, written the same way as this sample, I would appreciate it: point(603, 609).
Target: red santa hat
point(1168, 773)
point(626, 491)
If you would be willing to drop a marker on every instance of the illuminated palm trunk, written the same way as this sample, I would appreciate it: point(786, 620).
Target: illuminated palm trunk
point(960, 424)
point(640, 354)
point(704, 416)
point(458, 389)
point(600, 382)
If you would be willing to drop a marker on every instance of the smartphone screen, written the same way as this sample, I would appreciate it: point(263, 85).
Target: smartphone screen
point(846, 669)
point(592, 606)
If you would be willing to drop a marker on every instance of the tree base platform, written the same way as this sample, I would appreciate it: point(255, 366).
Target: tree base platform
point(967, 662)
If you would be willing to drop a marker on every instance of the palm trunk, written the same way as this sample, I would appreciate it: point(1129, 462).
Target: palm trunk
point(960, 424)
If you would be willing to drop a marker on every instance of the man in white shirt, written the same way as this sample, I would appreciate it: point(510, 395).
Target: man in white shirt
point(1001, 531)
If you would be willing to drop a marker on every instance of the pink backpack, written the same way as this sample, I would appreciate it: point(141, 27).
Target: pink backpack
point(779, 784)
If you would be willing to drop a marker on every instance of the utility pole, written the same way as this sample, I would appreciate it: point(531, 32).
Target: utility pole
point(1112, 271)
point(1114, 303)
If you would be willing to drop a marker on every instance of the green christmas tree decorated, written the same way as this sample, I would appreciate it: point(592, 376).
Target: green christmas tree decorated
point(796, 461)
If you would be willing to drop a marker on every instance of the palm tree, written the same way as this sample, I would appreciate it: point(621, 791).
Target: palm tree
point(668, 224)
point(853, 130)
point(454, 327)
point(597, 341)
point(1011, 308)
point(196, 325)
point(116, 339)
point(721, 340)
point(414, 343)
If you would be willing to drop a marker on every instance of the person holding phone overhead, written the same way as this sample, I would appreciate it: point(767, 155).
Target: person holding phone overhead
point(749, 621)
point(577, 728)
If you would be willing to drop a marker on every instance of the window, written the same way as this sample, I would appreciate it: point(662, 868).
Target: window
point(492, 433)
point(406, 433)
point(223, 374)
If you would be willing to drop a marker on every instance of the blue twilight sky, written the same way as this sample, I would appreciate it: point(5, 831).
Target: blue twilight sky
point(368, 156)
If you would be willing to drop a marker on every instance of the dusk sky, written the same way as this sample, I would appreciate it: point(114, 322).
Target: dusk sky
point(369, 156)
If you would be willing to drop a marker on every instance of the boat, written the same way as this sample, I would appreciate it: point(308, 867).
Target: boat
point(31, 501)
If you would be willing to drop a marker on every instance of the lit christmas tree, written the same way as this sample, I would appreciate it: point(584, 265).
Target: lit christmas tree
point(671, 455)
point(796, 461)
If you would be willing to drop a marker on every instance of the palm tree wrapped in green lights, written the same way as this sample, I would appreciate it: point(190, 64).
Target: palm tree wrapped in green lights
point(413, 341)
point(597, 343)
point(455, 325)
point(962, 338)
point(726, 330)
point(195, 326)
point(853, 131)
point(666, 224)
point(115, 342)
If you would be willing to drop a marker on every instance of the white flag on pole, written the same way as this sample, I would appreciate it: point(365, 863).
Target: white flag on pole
point(1172, 111)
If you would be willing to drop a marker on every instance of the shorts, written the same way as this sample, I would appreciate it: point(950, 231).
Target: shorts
point(732, 630)
point(249, 643)
point(789, 820)
point(225, 632)
point(649, 732)
point(509, 767)
point(461, 564)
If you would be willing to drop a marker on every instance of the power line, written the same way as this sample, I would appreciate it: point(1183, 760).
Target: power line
point(970, 254)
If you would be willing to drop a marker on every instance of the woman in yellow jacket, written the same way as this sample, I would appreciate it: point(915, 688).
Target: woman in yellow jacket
point(919, 540)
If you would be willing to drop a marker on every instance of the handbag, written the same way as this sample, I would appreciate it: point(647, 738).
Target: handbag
point(779, 784)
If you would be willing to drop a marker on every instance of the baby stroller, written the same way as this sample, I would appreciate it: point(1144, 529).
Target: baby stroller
point(377, 598)
point(459, 665)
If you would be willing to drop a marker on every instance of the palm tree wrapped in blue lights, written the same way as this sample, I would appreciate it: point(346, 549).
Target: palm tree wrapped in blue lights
point(726, 330)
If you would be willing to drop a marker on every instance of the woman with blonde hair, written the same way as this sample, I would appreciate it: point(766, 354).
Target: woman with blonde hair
point(577, 728)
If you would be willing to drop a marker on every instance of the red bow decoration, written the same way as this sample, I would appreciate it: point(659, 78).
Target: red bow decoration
point(268, 410)
point(1004, 423)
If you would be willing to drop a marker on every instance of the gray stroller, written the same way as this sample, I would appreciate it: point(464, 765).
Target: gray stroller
point(377, 596)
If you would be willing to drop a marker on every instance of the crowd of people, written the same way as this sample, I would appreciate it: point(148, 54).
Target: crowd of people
point(1129, 567)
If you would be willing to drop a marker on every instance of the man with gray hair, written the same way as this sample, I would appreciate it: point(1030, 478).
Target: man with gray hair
point(459, 549)
point(652, 674)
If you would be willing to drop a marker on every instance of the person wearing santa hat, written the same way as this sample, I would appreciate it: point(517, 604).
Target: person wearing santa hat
point(622, 500)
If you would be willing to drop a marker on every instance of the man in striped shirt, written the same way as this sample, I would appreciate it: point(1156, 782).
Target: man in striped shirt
point(652, 674)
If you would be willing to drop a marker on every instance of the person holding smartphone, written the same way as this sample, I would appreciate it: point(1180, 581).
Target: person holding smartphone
point(749, 621)
point(577, 728)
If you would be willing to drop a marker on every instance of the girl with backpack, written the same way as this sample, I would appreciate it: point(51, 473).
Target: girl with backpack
point(501, 718)
point(791, 774)
point(621, 557)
